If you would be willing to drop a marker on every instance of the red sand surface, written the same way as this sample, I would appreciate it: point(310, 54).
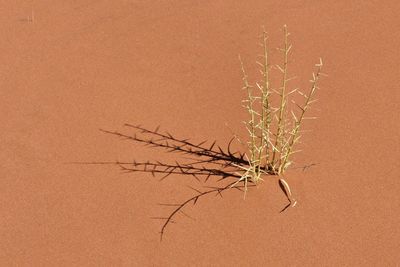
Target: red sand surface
point(82, 65)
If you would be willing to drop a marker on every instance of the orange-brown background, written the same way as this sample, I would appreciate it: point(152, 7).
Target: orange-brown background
point(84, 65)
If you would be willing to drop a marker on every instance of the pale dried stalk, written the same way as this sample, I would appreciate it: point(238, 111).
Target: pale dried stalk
point(298, 121)
point(270, 152)
point(253, 172)
point(283, 102)
point(266, 112)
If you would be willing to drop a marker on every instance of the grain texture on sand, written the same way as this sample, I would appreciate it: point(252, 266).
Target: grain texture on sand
point(70, 67)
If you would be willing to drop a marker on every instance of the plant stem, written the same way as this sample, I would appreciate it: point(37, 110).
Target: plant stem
point(250, 125)
point(281, 121)
point(266, 114)
point(294, 133)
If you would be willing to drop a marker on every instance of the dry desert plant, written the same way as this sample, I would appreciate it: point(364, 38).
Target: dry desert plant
point(274, 130)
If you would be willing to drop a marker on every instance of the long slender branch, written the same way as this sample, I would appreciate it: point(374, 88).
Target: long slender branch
point(266, 112)
point(294, 133)
point(282, 106)
point(250, 125)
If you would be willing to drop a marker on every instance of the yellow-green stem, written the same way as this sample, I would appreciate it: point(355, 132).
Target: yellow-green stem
point(282, 105)
point(295, 131)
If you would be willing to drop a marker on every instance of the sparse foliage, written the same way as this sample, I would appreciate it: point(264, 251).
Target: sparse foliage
point(274, 131)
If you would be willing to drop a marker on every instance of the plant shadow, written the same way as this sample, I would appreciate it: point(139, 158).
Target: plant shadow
point(202, 161)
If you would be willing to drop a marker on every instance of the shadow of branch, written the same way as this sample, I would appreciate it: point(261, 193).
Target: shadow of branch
point(202, 162)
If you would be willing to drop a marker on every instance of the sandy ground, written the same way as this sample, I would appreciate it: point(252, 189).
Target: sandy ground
point(71, 67)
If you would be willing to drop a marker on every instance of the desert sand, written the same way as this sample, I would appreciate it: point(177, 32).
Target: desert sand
point(71, 67)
